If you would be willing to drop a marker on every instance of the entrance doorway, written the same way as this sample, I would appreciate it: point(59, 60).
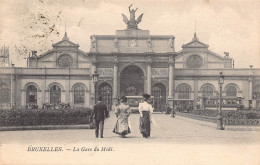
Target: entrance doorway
point(105, 91)
point(159, 93)
point(131, 81)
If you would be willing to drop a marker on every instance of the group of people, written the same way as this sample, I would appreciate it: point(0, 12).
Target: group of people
point(122, 112)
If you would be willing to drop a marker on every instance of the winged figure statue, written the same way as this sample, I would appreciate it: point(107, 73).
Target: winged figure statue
point(132, 23)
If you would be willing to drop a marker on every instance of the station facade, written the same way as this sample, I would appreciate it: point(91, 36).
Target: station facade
point(129, 63)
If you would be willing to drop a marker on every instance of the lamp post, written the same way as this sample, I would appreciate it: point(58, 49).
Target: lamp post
point(95, 81)
point(219, 117)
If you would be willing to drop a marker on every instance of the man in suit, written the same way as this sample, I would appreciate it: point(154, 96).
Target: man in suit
point(99, 113)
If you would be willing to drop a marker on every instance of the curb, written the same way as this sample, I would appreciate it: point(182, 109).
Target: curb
point(227, 127)
point(44, 127)
point(242, 128)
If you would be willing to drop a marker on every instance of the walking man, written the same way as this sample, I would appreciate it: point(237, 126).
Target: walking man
point(99, 113)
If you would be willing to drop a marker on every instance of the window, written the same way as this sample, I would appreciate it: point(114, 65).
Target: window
point(4, 94)
point(65, 61)
point(194, 61)
point(55, 94)
point(231, 91)
point(207, 91)
point(256, 92)
point(79, 94)
point(183, 92)
point(31, 95)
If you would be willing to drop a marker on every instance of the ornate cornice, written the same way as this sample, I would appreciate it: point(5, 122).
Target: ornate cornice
point(116, 62)
point(149, 62)
point(94, 62)
point(170, 62)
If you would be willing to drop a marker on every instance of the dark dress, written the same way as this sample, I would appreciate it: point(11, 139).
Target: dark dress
point(145, 126)
point(145, 123)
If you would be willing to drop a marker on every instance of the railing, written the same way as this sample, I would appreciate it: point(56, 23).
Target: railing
point(251, 122)
point(198, 117)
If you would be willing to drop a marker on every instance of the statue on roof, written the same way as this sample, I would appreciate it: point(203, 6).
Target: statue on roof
point(93, 41)
point(132, 23)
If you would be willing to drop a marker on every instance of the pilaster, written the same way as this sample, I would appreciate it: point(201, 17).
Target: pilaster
point(149, 75)
point(170, 96)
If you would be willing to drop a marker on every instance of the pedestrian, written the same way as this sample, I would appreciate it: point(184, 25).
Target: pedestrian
point(173, 111)
point(99, 113)
point(145, 110)
point(122, 112)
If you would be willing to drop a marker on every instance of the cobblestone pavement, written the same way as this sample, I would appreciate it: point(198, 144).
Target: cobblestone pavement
point(172, 140)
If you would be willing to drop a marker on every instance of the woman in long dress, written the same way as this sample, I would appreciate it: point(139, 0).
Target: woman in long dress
point(122, 112)
point(145, 110)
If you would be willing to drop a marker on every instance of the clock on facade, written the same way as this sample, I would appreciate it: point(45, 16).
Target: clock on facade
point(194, 61)
point(132, 43)
point(65, 61)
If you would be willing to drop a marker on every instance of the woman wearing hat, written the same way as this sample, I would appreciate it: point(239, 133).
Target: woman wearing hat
point(145, 109)
point(122, 112)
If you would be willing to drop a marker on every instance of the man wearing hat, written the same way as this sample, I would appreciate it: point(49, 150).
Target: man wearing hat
point(99, 113)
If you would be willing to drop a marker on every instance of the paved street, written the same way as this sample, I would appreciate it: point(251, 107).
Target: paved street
point(177, 136)
point(173, 130)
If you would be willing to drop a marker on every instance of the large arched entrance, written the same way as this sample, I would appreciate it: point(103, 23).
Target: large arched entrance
point(105, 91)
point(131, 81)
point(159, 93)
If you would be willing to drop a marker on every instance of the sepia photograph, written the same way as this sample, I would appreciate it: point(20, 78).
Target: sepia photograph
point(112, 82)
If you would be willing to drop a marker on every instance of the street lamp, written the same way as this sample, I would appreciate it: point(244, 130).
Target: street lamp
point(219, 117)
point(95, 81)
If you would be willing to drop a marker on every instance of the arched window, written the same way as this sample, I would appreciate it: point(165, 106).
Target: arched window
point(231, 91)
point(79, 94)
point(55, 94)
point(183, 92)
point(207, 91)
point(4, 94)
point(31, 95)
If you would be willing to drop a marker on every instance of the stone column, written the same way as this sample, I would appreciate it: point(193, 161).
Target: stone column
point(250, 81)
point(67, 89)
point(115, 84)
point(94, 68)
point(170, 97)
point(250, 92)
point(43, 87)
point(195, 100)
point(115, 94)
point(12, 101)
point(149, 76)
point(250, 89)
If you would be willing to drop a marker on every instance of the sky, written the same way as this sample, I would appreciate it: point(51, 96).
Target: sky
point(226, 26)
